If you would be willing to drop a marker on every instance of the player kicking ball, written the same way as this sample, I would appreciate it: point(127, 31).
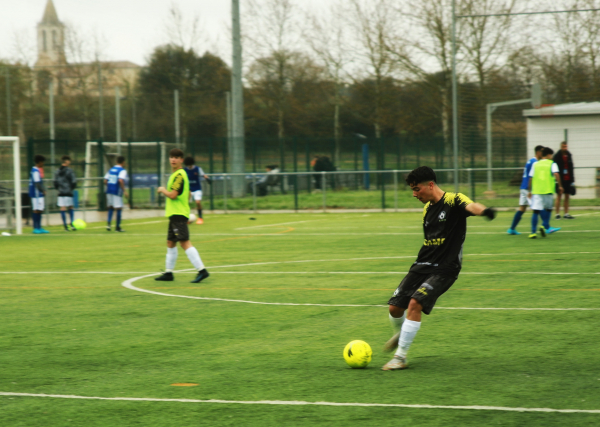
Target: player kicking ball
point(438, 263)
point(177, 210)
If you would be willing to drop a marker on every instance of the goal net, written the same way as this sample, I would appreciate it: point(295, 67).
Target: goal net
point(10, 185)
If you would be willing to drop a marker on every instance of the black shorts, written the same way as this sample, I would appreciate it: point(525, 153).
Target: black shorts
point(567, 187)
point(178, 229)
point(425, 288)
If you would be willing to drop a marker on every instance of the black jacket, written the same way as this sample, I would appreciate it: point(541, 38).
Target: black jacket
point(558, 159)
point(65, 181)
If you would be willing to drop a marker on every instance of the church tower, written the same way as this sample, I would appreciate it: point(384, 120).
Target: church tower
point(50, 39)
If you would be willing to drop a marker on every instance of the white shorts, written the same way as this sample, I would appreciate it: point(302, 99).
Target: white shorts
point(542, 201)
point(197, 195)
point(64, 201)
point(114, 201)
point(523, 199)
point(37, 203)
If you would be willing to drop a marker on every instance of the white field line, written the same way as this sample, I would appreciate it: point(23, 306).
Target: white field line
point(295, 272)
point(281, 223)
point(295, 234)
point(129, 285)
point(305, 403)
point(130, 223)
point(75, 272)
point(319, 260)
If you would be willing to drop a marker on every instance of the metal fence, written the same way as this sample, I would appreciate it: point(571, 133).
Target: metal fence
point(318, 191)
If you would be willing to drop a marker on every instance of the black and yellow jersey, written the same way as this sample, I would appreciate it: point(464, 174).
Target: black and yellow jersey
point(445, 229)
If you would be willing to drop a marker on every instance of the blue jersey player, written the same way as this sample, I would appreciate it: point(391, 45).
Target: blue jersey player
point(37, 191)
point(195, 176)
point(523, 199)
point(115, 180)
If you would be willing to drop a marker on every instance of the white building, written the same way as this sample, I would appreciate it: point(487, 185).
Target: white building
point(579, 125)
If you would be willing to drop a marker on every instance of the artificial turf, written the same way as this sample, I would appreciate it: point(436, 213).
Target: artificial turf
point(70, 329)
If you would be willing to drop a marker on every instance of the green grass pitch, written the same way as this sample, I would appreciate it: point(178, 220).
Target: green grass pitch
point(70, 328)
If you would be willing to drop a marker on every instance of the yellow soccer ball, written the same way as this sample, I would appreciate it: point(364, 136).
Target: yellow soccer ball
point(79, 224)
point(358, 354)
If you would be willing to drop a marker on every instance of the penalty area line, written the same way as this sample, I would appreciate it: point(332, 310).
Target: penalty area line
point(305, 403)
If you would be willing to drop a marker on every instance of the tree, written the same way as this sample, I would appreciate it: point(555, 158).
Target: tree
point(377, 33)
point(273, 32)
point(329, 40)
point(201, 81)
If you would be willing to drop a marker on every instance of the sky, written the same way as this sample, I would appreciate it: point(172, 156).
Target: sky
point(130, 29)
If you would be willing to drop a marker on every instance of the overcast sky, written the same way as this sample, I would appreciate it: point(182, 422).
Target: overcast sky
point(130, 28)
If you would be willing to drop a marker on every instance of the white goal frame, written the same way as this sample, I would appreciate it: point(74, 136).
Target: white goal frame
point(16, 178)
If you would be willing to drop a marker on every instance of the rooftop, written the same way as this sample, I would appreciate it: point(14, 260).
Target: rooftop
point(572, 109)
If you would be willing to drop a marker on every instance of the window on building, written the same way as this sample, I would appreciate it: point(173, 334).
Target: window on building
point(54, 43)
point(44, 41)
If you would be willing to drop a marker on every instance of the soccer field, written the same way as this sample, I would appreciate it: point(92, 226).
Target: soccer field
point(515, 342)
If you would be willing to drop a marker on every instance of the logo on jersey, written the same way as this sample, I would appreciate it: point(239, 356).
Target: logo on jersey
point(442, 216)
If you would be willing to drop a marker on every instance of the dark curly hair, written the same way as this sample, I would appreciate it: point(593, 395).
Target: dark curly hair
point(421, 174)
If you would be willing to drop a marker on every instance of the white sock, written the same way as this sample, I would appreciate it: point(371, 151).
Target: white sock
point(409, 331)
point(171, 259)
point(397, 321)
point(194, 258)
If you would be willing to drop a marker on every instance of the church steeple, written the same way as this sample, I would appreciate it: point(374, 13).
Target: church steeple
point(51, 38)
point(50, 15)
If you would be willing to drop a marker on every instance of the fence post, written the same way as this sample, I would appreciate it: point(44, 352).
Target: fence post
point(282, 163)
point(158, 170)
point(130, 159)
point(254, 155)
point(224, 155)
point(382, 191)
point(211, 169)
point(225, 193)
point(308, 178)
point(101, 197)
point(471, 184)
point(395, 191)
point(324, 189)
point(254, 191)
point(365, 153)
point(296, 174)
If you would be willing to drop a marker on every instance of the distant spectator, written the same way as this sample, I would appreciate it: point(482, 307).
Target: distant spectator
point(195, 176)
point(321, 164)
point(65, 182)
point(271, 178)
point(564, 160)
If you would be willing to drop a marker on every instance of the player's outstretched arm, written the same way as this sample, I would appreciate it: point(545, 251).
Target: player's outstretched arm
point(481, 210)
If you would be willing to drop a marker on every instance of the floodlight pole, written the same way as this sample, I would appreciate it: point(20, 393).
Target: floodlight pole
point(100, 101)
point(229, 126)
point(490, 108)
point(454, 99)
point(237, 103)
point(176, 102)
point(52, 126)
point(118, 118)
point(8, 101)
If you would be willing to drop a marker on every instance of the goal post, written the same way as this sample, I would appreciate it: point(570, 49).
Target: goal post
point(12, 187)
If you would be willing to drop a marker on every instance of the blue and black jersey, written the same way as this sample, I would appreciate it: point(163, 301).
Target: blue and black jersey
point(195, 175)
